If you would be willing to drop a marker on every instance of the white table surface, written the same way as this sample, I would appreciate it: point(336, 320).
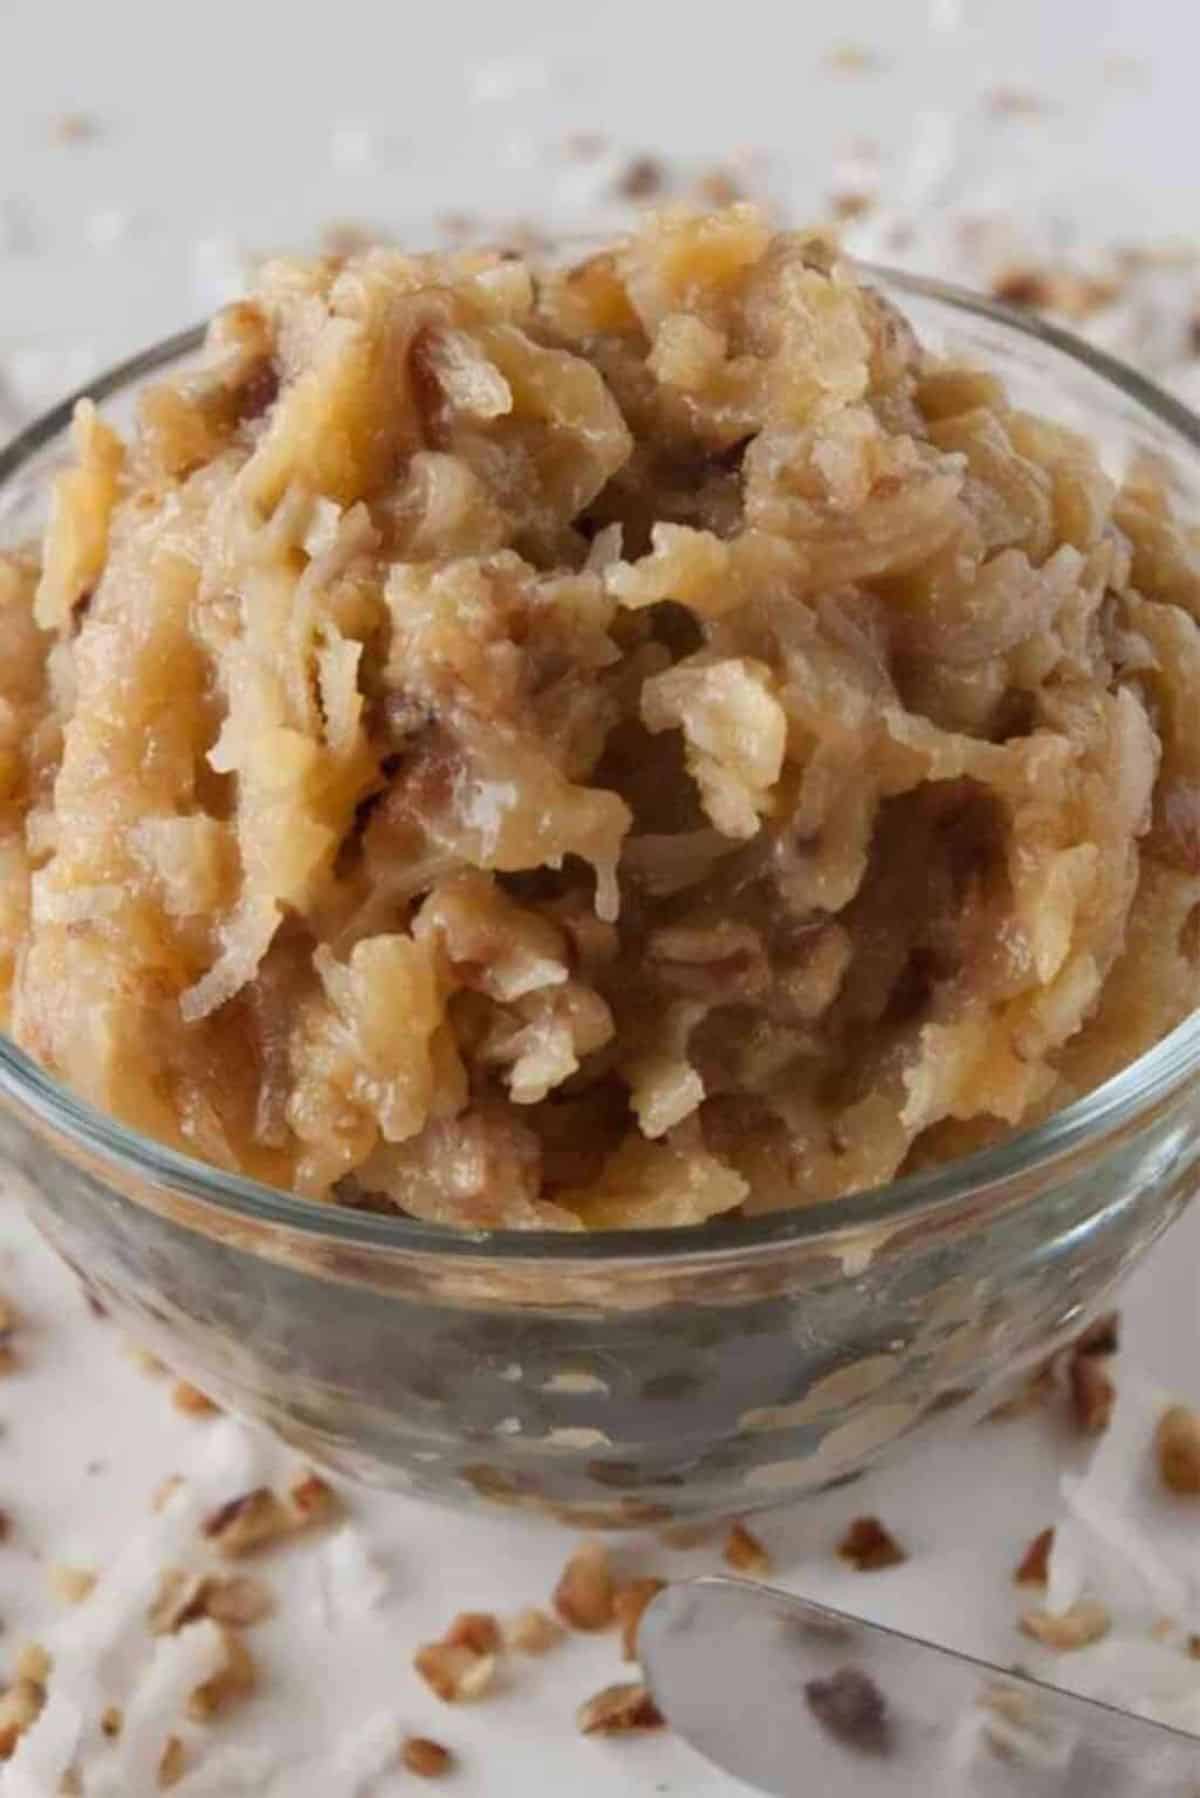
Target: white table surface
point(233, 129)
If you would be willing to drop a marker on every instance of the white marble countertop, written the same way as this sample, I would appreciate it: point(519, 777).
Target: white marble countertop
point(145, 156)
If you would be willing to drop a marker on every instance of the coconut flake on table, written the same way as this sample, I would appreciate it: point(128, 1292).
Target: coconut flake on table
point(351, 1580)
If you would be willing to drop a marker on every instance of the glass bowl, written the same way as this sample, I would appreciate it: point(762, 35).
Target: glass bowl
point(634, 1377)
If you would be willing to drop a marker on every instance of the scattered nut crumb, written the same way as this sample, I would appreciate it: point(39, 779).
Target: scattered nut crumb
point(617, 1711)
point(850, 1707)
point(229, 1685)
point(476, 1630)
point(1092, 1392)
point(583, 1596)
point(189, 1398)
point(454, 1673)
point(744, 1552)
point(1101, 1337)
point(33, 1663)
point(1084, 1623)
point(165, 1491)
point(313, 1500)
point(641, 179)
point(429, 1760)
point(1177, 1443)
point(629, 1602)
point(1033, 1566)
point(1193, 1648)
point(171, 1763)
point(5, 1526)
point(244, 1525)
point(532, 1632)
point(9, 1358)
point(112, 1721)
point(183, 1598)
point(869, 1547)
point(20, 1705)
point(70, 1585)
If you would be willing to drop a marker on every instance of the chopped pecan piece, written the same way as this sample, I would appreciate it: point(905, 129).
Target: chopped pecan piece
point(189, 1398)
point(532, 1632)
point(869, 1547)
point(425, 1758)
point(745, 1553)
point(246, 1524)
point(1177, 1442)
point(583, 1596)
point(20, 1706)
point(454, 1672)
point(182, 1598)
point(1084, 1623)
point(476, 1630)
point(171, 1763)
point(618, 1710)
point(1033, 1566)
point(229, 1685)
point(1092, 1392)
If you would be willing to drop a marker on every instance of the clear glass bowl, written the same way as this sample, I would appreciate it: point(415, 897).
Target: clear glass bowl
point(633, 1377)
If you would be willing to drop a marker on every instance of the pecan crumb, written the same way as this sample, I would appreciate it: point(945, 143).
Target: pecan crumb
point(171, 1763)
point(5, 1526)
point(189, 1398)
point(229, 1685)
point(454, 1672)
point(245, 1524)
point(20, 1706)
point(33, 1663)
point(532, 1632)
point(425, 1758)
point(1084, 1623)
point(9, 1358)
point(112, 1720)
point(1177, 1442)
point(1193, 1648)
point(850, 1707)
point(869, 1547)
point(1034, 1563)
point(629, 1602)
point(313, 1500)
point(165, 1491)
point(1092, 1392)
point(745, 1553)
point(583, 1596)
point(641, 179)
point(183, 1598)
point(70, 1585)
point(476, 1630)
point(617, 1711)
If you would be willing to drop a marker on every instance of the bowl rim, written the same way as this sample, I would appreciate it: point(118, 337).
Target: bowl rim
point(1152, 1079)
